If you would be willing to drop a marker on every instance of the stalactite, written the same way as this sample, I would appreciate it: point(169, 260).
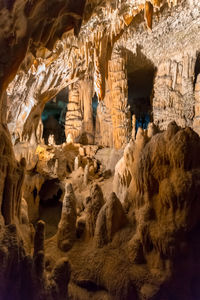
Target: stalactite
point(148, 14)
point(97, 77)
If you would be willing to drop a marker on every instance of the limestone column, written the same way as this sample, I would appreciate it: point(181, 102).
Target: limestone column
point(86, 93)
point(113, 115)
point(103, 127)
point(120, 114)
point(74, 117)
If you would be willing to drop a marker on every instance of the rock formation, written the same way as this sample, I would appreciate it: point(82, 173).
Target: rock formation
point(173, 71)
point(111, 219)
point(67, 226)
point(93, 206)
point(119, 185)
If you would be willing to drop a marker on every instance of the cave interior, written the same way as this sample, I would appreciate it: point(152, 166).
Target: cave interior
point(99, 150)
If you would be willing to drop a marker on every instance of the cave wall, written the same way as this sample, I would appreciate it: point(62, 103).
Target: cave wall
point(172, 47)
point(92, 54)
point(32, 88)
point(174, 97)
point(28, 26)
point(47, 69)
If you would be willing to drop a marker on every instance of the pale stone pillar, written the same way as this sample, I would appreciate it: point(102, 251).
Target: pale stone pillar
point(113, 115)
point(73, 121)
point(86, 93)
point(119, 92)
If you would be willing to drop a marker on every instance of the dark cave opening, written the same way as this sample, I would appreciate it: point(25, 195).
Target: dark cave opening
point(140, 85)
point(53, 118)
point(94, 108)
point(50, 205)
point(196, 69)
point(141, 74)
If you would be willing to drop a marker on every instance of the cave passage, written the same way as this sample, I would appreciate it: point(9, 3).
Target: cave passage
point(53, 118)
point(50, 205)
point(140, 86)
point(94, 108)
point(140, 74)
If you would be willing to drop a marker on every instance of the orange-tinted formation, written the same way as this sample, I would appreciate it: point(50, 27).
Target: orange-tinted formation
point(99, 150)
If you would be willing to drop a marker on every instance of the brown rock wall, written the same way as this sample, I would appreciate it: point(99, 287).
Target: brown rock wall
point(174, 92)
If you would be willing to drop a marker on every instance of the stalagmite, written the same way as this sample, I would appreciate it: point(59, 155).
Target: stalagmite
point(62, 270)
point(92, 209)
point(67, 226)
point(111, 218)
point(38, 255)
point(39, 238)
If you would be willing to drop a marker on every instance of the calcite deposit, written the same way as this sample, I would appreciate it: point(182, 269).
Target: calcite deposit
point(99, 150)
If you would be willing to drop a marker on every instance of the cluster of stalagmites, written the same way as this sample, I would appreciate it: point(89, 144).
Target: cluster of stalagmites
point(152, 217)
point(22, 275)
point(161, 208)
point(73, 161)
point(26, 273)
point(56, 287)
point(163, 168)
point(99, 220)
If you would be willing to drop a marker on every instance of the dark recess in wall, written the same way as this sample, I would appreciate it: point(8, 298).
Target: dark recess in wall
point(53, 117)
point(50, 205)
point(141, 73)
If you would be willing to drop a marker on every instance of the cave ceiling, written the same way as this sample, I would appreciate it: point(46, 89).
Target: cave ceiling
point(46, 47)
